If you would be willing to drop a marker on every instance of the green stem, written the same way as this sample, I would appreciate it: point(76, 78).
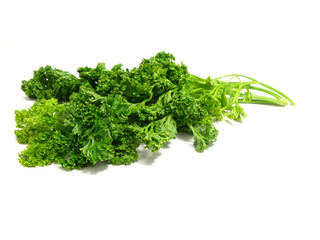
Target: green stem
point(235, 88)
point(256, 101)
point(266, 91)
point(267, 100)
point(269, 87)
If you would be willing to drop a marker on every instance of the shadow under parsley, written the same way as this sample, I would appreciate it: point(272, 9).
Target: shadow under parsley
point(95, 169)
point(146, 157)
point(185, 137)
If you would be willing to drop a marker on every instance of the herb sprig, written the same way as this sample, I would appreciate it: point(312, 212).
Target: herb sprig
point(104, 115)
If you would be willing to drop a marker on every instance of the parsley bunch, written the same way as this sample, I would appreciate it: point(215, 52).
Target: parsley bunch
point(104, 115)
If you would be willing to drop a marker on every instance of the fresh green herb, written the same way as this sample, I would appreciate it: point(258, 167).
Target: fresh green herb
point(104, 114)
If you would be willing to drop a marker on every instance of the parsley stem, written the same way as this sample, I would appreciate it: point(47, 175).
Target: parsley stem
point(265, 100)
point(234, 88)
point(269, 87)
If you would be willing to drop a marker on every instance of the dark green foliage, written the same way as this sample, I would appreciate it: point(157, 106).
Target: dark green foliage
point(51, 83)
point(104, 114)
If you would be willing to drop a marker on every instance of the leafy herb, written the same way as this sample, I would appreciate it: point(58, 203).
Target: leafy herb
point(104, 114)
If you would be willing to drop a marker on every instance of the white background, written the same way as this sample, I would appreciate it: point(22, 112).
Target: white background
point(260, 180)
